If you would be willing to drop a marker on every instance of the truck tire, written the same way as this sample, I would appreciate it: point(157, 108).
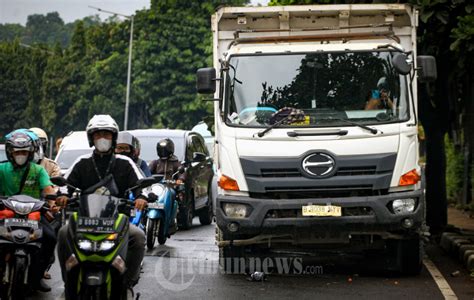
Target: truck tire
point(231, 258)
point(408, 256)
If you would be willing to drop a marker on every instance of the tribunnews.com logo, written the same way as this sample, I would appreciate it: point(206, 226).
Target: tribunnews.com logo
point(179, 273)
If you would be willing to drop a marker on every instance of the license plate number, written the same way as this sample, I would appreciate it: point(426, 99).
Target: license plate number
point(14, 222)
point(321, 211)
point(95, 225)
point(155, 205)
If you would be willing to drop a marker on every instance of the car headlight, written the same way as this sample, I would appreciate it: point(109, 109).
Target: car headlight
point(85, 245)
point(403, 206)
point(22, 208)
point(106, 245)
point(237, 211)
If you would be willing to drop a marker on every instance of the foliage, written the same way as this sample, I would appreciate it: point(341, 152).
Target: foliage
point(454, 171)
point(73, 71)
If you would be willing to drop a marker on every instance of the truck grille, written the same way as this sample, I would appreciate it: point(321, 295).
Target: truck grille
point(356, 175)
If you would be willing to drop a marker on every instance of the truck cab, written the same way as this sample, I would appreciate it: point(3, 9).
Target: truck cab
point(316, 130)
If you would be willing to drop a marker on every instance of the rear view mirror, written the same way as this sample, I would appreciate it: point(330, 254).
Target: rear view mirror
point(206, 81)
point(147, 181)
point(426, 68)
point(400, 64)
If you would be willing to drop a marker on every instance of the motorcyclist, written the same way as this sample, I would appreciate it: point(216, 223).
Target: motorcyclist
point(53, 170)
point(90, 169)
point(126, 146)
point(40, 158)
point(168, 163)
point(20, 176)
point(136, 157)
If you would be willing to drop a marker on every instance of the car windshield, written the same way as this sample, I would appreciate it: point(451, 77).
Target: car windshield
point(148, 147)
point(66, 158)
point(321, 88)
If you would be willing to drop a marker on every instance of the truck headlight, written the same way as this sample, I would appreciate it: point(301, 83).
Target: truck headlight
point(403, 206)
point(236, 211)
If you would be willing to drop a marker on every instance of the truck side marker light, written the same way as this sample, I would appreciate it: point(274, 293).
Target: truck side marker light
point(228, 183)
point(409, 178)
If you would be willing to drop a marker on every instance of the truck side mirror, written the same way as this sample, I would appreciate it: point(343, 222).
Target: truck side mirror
point(400, 64)
point(427, 68)
point(206, 81)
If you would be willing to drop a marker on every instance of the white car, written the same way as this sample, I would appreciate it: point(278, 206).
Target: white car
point(73, 145)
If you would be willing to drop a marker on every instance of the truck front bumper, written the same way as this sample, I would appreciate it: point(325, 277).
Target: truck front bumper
point(360, 215)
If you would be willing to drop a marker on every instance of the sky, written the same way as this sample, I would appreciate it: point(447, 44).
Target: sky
point(17, 11)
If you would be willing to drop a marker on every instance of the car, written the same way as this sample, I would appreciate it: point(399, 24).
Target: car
point(191, 151)
point(73, 145)
point(3, 154)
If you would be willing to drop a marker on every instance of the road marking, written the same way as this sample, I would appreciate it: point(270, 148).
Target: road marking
point(443, 285)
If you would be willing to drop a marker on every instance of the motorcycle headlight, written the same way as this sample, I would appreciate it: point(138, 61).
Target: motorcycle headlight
point(106, 245)
point(85, 245)
point(22, 208)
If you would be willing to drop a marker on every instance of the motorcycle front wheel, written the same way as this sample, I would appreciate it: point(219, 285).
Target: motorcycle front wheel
point(152, 232)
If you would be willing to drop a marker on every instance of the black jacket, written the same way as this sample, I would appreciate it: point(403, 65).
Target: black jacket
point(166, 167)
point(83, 174)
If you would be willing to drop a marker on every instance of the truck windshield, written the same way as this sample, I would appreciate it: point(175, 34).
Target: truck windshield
point(318, 88)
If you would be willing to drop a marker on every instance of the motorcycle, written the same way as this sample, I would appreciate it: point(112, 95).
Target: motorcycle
point(20, 231)
point(97, 242)
point(162, 211)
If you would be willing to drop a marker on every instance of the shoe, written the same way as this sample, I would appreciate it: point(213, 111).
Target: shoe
point(42, 286)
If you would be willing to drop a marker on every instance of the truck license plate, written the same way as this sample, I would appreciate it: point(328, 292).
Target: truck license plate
point(321, 211)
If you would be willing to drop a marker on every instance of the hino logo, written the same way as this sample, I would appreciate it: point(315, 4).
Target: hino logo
point(319, 164)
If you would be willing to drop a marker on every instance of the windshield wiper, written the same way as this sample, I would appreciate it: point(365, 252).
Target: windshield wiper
point(276, 124)
point(371, 129)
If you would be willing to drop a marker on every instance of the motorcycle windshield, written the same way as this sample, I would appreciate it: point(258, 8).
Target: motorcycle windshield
point(99, 206)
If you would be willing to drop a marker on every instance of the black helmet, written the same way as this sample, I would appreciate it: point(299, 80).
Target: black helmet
point(19, 140)
point(165, 148)
point(137, 147)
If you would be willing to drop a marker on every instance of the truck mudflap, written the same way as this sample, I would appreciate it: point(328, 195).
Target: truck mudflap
point(283, 218)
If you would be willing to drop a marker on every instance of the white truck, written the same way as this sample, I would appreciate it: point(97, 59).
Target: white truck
point(316, 131)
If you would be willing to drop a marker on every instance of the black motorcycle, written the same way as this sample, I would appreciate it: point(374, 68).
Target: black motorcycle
point(20, 231)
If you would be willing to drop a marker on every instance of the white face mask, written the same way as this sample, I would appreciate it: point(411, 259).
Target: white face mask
point(20, 159)
point(103, 145)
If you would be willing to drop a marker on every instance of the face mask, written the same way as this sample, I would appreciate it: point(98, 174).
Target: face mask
point(20, 159)
point(103, 145)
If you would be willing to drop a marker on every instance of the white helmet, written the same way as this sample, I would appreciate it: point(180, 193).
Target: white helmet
point(40, 133)
point(102, 122)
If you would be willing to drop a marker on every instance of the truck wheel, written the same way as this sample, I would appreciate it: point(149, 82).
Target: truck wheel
point(408, 254)
point(206, 214)
point(185, 215)
point(151, 232)
point(231, 258)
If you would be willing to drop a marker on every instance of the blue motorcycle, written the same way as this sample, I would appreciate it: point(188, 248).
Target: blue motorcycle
point(161, 215)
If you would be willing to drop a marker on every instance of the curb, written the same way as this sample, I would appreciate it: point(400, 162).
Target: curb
point(460, 245)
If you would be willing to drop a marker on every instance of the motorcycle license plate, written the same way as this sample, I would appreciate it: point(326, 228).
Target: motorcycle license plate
point(156, 205)
point(15, 222)
point(321, 211)
point(95, 225)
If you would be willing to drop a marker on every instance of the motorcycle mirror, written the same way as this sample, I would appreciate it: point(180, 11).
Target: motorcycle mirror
point(59, 180)
point(144, 182)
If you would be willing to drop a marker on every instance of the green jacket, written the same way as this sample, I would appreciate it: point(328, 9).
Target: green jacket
point(10, 179)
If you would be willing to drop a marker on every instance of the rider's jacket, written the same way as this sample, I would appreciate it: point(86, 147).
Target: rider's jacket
point(90, 169)
point(11, 177)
